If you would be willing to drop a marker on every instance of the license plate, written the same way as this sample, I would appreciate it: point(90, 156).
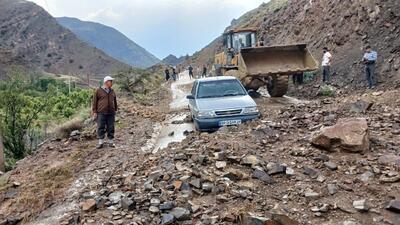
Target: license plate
point(229, 122)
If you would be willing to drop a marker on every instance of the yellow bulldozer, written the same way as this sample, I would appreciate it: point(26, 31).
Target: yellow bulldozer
point(256, 65)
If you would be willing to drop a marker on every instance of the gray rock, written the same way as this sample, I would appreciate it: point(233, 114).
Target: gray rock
point(361, 205)
point(313, 173)
point(263, 176)
point(220, 164)
point(115, 197)
point(349, 222)
point(166, 205)
point(154, 209)
point(168, 219)
point(181, 213)
point(275, 168)
point(196, 183)
point(289, 171)
point(311, 194)
point(155, 201)
point(331, 165)
point(365, 177)
point(394, 206)
point(207, 186)
point(127, 204)
point(332, 189)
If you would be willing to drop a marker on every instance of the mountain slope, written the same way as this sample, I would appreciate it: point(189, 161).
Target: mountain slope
point(31, 38)
point(345, 27)
point(111, 41)
point(172, 60)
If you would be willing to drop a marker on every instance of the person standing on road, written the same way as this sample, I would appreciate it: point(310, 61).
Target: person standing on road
point(167, 74)
point(204, 71)
point(104, 107)
point(174, 74)
point(369, 59)
point(326, 65)
point(190, 71)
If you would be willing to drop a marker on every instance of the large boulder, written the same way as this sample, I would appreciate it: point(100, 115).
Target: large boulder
point(348, 134)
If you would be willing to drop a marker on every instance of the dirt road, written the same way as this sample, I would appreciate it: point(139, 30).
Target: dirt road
point(163, 173)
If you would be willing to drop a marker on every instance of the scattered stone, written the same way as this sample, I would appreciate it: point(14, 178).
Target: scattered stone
point(181, 213)
point(168, 219)
point(220, 164)
point(263, 176)
point(275, 168)
point(389, 159)
point(349, 222)
point(166, 206)
point(365, 177)
point(127, 204)
point(360, 106)
point(154, 209)
point(196, 183)
point(115, 197)
point(394, 206)
point(331, 165)
point(177, 184)
point(289, 171)
point(313, 173)
point(155, 201)
point(250, 219)
point(234, 175)
point(207, 186)
point(385, 178)
point(89, 205)
point(332, 189)
point(251, 160)
point(311, 194)
point(361, 205)
point(348, 134)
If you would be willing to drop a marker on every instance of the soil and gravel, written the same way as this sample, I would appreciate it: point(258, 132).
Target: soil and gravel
point(263, 172)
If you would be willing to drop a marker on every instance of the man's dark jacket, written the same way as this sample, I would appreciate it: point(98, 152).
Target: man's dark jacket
point(103, 102)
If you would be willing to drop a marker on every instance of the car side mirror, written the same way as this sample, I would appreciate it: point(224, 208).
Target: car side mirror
point(190, 97)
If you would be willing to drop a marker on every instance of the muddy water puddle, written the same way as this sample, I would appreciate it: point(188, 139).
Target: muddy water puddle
point(174, 128)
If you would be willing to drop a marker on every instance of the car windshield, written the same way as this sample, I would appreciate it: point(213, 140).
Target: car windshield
point(220, 88)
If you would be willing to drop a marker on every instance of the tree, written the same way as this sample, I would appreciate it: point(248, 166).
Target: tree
point(19, 111)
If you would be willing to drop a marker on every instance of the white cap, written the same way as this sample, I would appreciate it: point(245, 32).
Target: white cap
point(108, 78)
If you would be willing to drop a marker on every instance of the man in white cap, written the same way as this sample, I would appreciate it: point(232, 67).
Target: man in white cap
point(104, 108)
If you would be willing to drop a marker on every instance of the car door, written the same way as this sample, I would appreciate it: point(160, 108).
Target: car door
point(192, 102)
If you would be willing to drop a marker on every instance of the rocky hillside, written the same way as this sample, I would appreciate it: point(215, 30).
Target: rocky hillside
point(345, 27)
point(173, 60)
point(30, 37)
point(111, 41)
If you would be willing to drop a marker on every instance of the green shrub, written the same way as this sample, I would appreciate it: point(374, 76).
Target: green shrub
point(326, 90)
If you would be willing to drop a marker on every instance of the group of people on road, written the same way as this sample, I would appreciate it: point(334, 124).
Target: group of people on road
point(369, 60)
point(202, 72)
point(174, 75)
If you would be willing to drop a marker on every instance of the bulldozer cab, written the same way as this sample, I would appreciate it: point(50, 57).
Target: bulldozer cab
point(235, 40)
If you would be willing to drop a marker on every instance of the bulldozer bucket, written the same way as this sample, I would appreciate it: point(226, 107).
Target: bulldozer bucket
point(276, 60)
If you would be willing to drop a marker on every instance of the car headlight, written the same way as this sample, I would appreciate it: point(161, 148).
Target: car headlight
point(250, 110)
point(205, 114)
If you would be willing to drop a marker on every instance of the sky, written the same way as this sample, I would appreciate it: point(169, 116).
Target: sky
point(162, 27)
